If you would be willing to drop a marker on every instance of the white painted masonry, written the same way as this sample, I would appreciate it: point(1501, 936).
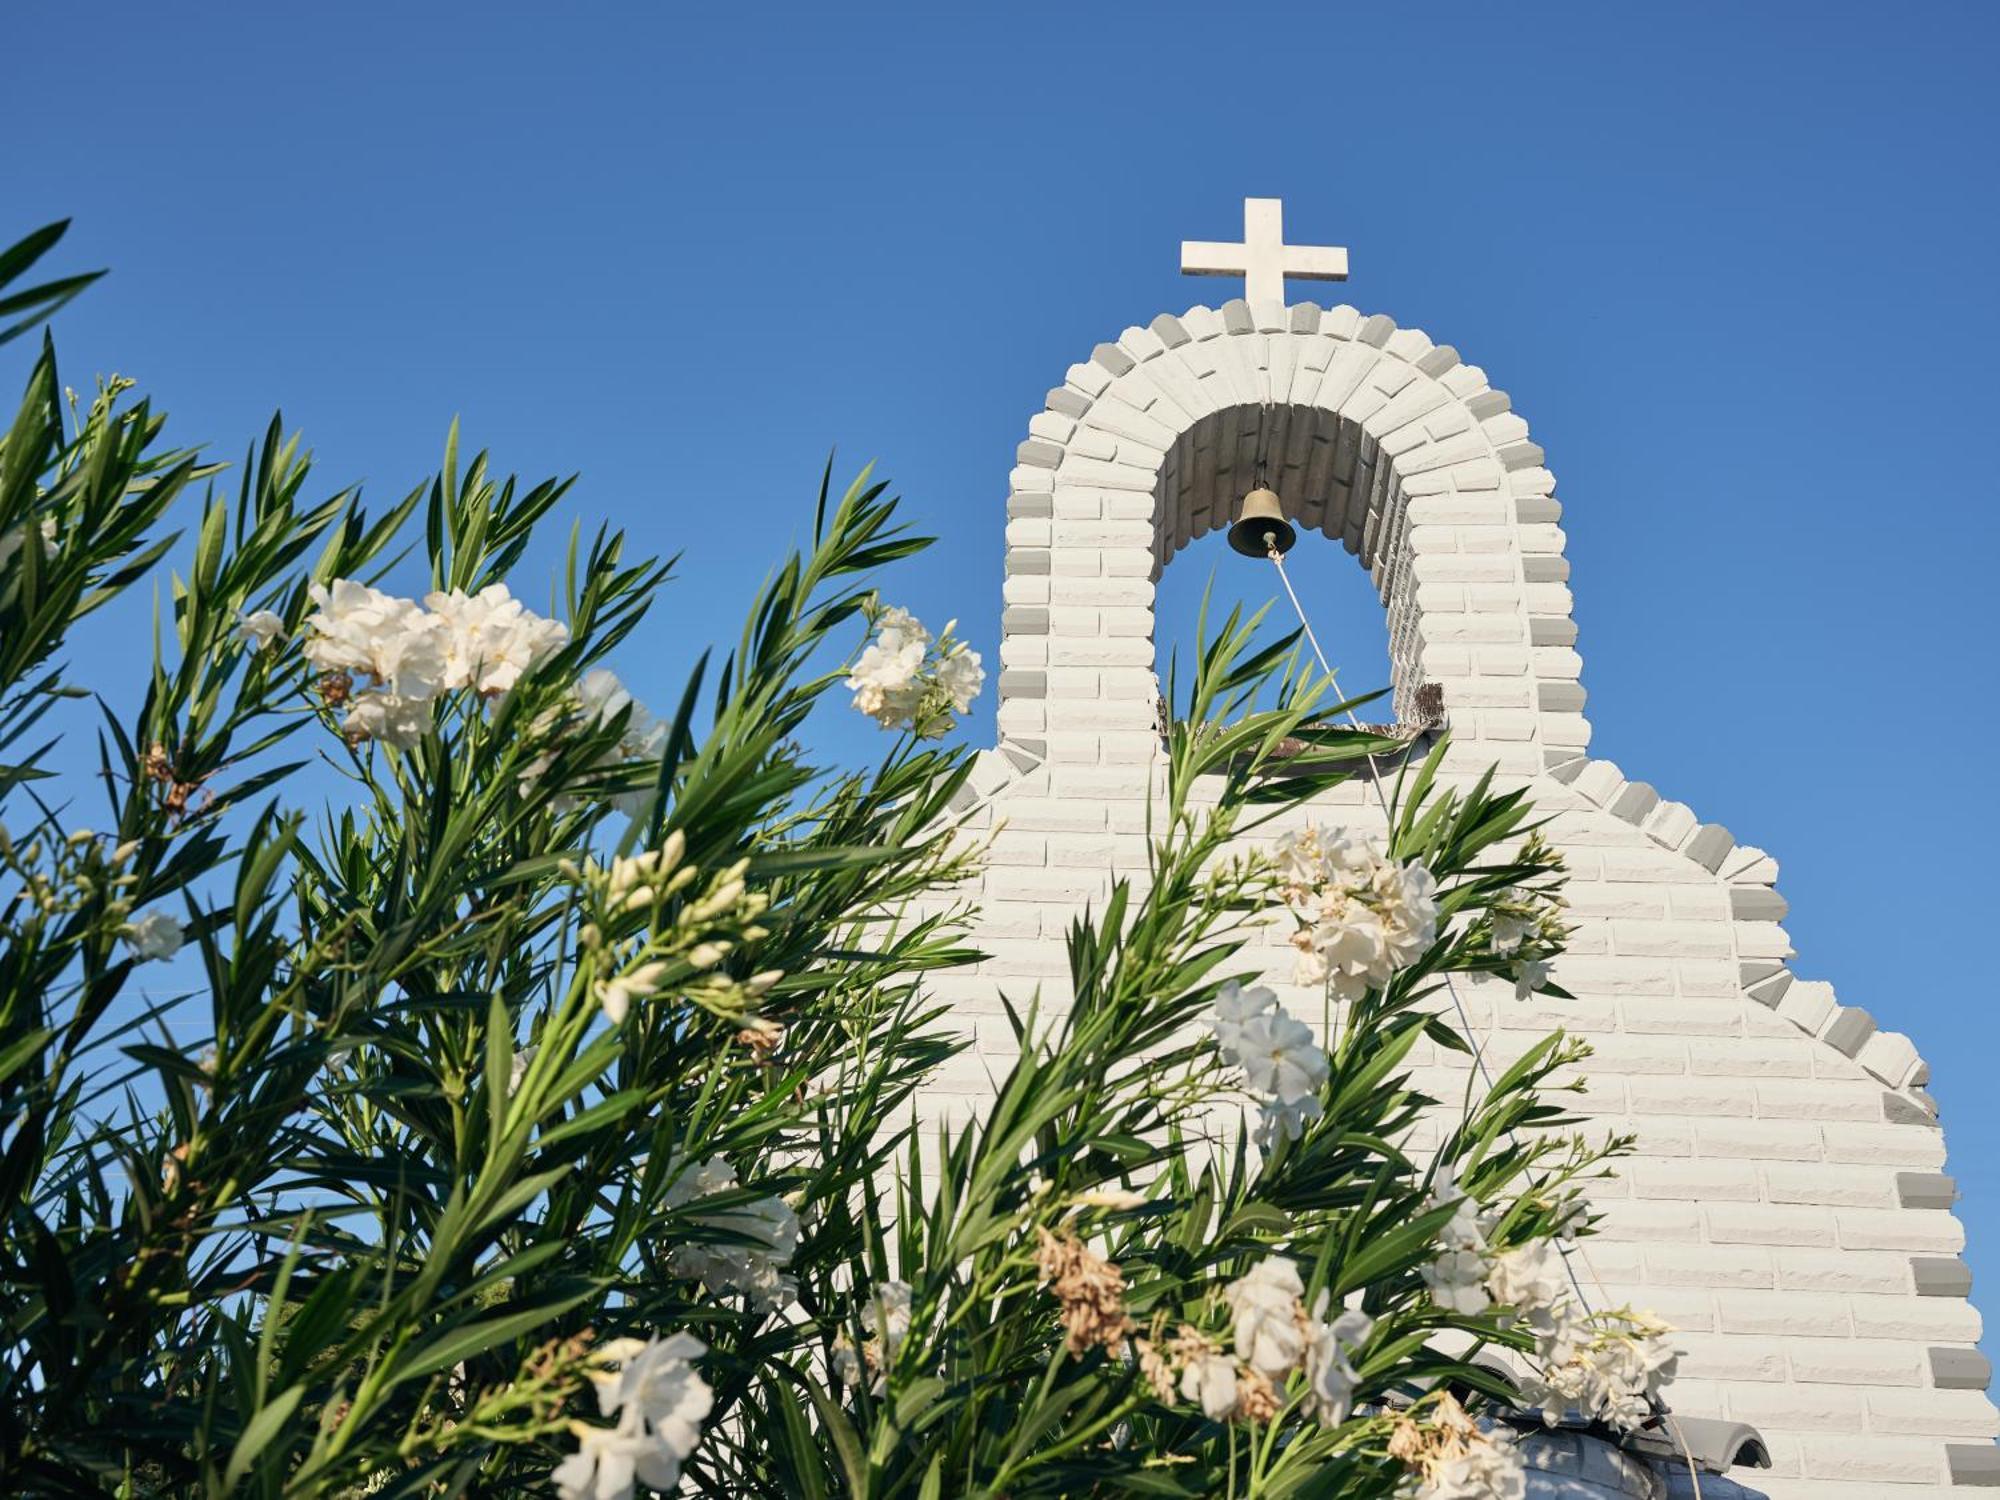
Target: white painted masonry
point(1786, 1207)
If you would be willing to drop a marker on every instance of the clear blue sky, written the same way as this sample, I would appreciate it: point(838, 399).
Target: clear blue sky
point(1733, 262)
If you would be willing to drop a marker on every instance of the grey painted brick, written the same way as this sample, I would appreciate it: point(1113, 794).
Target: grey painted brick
point(1376, 329)
point(1027, 561)
point(1436, 361)
point(1488, 404)
point(1017, 682)
point(1522, 456)
point(1030, 505)
point(1926, 1189)
point(1538, 510)
point(1757, 903)
point(1561, 697)
point(1849, 1030)
point(1759, 969)
point(1710, 844)
point(1634, 800)
point(1975, 1464)
point(1941, 1276)
point(1111, 357)
point(1071, 403)
point(1237, 317)
point(1305, 317)
point(1913, 1108)
point(1168, 330)
point(1025, 754)
point(1025, 619)
point(1551, 630)
point(1541, 567)
point(1771, 992)
point(1960, 1370)
point(1039, 454)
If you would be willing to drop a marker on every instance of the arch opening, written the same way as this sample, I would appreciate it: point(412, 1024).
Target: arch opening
point(1335, 485)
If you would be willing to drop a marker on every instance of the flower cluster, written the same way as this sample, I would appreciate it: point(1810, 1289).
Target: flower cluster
point(1089, 1289)
point(659, 1400)
point(60, 877)
point(759, 1239)
point(906, 680)
point(885, 1323)
point(1605, 1366)
point(1451, 1458)
point(1359, 914)
point(1282, 1063)
point(1608, 1367)
point(407, 654)
point(682, 950)
point(155, 934)
point(1275, 1336)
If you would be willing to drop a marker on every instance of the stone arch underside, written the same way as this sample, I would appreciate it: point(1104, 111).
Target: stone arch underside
point(1333, 481)
point(1787, 1207)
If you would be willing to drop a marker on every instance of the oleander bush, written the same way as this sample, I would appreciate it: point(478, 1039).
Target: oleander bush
point(424, 1070)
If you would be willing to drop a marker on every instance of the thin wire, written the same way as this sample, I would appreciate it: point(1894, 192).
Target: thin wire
point(1563, 1249)
point(1381, 797)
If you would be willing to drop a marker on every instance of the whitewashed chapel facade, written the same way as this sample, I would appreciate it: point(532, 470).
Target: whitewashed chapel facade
point(1786, 1207)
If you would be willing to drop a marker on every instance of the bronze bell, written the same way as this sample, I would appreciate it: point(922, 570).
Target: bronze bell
point(1261, 526)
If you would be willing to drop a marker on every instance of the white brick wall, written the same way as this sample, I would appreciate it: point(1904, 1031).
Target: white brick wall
point(1785, 1208)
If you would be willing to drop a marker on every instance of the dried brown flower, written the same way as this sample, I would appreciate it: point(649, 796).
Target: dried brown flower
point(1090, 1289)
point(1257, 1400)
point(335, 688)
point(1427, 1446)
point(761, 1037)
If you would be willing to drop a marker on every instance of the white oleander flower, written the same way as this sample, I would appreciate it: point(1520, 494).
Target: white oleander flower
point(260, 628)
point(1359, 915)
point(885, 1323)
point(492, 638)
point(1528, 1279)
point(1280, 1121)
point(603, 697)
point(960, 675)
point(764, 1236)
point(1457, 1280)
point(1235, 1005)
point(1280, 1057)
point(904, 679)
point(662, 1385)
point(1606, 1368)
point(660, 1401)
point(887, 677)
point(362, 630)
point(1509, 928)
point(1490, 1469)
point(398, 722)
point(1209, 1380)
point(1529, 977)
point(1330, 1376)
point(1265, 1305)
point(155, 935)
point(887, 1316)
point(610, 1461)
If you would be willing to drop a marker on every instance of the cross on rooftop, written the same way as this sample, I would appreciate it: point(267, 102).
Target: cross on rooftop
point(1264, 260)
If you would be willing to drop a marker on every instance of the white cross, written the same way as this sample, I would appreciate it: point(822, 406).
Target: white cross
point(1263, 260)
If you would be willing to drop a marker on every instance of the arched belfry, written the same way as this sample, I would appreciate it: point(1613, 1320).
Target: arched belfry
point(1787, 1207)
